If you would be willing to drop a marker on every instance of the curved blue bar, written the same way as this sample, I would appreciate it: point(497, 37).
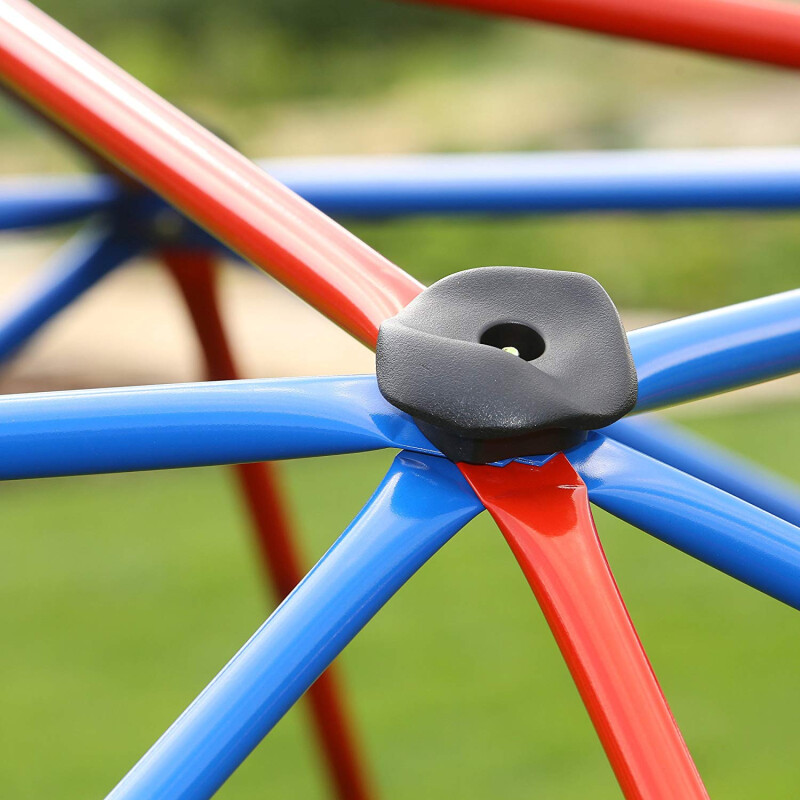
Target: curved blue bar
point(420, 504)
point(85, 259)
point(675, 446)
point(717, 350)
point(735, 537)
point(501, 183)
point(38, 201)
point(197, 424)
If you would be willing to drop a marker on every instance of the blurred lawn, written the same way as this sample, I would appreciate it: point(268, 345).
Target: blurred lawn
point(678, 262)
point(122, 595)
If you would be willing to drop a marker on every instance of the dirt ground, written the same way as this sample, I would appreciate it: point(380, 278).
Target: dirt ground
point(131, 329)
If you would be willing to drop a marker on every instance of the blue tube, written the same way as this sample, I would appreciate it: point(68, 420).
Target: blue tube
point(86, 258)
point(502, 183)
point(38, 201)
point(715, 527)
point(675, 446)
point(197, 424)
point(418, 507)
point(717, 350)
point(493, 183)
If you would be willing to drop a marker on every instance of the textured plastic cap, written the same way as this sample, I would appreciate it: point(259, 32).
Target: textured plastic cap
point(501, 362)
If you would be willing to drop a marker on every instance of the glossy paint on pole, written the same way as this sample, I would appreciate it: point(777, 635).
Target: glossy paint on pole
point(198, 173)
point(331, 719)
point(87, 258)
point(197, 424)
point(545, 183)
point(544, 515)
point(195, 274)
point(716, 351)
point(422, 502)
point(673, 445)
point(485, 183)
point(756, 30)
point(737, 538)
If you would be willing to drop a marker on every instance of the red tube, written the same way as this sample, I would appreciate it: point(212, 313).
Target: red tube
point(198, 173)
point(544, 515)
point(194, 273)
point(749, 29)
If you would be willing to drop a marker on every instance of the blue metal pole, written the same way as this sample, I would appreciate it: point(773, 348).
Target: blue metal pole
point(420, 504)
point(86, 258)
point(503, 183)
point(197, 424)
point(717, 350)
point(675, 446)
point(493, 183)
point(713, 526)
point(38, 201)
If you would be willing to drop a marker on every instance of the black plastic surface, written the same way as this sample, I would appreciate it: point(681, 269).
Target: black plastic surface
point(441, 360)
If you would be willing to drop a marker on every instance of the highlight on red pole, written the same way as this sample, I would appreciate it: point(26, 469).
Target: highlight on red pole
point(544, 515)
point(198, 173)
point(754, 30)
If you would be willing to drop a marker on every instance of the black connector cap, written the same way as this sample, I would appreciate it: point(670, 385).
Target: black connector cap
point(502, 362)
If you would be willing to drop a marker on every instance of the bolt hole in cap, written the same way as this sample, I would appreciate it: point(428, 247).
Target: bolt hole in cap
point(502, 362)
point(514, 338)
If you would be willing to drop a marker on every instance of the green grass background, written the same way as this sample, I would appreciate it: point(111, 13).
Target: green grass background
point(122, 595)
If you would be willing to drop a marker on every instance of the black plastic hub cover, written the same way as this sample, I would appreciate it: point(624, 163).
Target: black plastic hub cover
point(502, 362)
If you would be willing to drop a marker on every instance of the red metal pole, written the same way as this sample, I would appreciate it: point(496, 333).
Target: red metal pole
point(749, 29)
point(195, 275)
point(198, 173)
point(544, 515)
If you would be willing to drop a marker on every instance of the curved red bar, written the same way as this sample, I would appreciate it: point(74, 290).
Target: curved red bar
point(198, 173)
point(544, 515)
point(749, 29)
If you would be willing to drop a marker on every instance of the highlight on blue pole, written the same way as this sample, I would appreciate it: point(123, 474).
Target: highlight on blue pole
point(197, 424)
point(85, 259)
point(737, 538)
point(485, 183)
point(718, 350)
point(503, 183)
point(673, 445)
point(34, 202)
point(421, 503)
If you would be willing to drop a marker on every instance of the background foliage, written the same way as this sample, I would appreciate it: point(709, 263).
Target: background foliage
point(298, 77)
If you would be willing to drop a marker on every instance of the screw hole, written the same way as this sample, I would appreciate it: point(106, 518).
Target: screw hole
point(514, 336)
